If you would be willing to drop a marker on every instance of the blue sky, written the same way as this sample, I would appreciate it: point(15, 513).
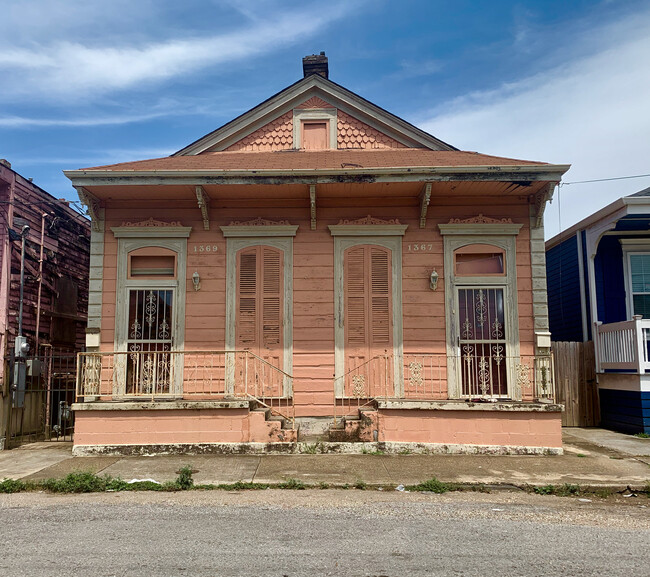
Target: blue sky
point(90, 82)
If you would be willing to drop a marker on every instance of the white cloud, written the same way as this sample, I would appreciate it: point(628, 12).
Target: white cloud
point(107, 120)
point(62, 69)
point(591, 112)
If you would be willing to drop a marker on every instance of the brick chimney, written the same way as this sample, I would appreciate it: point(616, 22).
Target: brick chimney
point(315, 64)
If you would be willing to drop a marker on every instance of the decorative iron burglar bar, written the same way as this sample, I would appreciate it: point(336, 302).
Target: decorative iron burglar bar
point(150, 340)
point(482, 342)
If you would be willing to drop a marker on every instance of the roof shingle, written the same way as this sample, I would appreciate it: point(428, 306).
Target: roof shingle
point(322, 159)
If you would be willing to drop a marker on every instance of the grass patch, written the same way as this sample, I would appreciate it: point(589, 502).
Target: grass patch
point(323, 485)
point(581, 455)
point(432, 485)
point(12, 486)
point(366, 451)
point(643, 435)
point(82, 482)
point(184, 479)
point(361, 485)
point(565, 490)
point(290, 483)
point(239, 486)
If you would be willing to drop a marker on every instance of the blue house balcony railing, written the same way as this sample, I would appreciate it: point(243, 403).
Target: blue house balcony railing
point(623, 346)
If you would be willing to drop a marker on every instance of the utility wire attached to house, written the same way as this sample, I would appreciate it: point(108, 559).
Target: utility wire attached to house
point(605, 179)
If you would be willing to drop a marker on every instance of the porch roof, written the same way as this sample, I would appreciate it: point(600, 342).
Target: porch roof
point(318, 167)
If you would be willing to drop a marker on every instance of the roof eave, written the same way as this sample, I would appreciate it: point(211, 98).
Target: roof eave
point(534, 172)
point(623, 206)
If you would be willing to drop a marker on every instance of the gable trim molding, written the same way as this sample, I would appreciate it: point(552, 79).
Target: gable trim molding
point(296, 94)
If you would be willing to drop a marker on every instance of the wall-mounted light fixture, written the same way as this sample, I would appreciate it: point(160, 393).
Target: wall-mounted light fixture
point(433, 280)
point(196, 281)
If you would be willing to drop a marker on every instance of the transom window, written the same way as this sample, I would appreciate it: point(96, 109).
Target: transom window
point(479, 260)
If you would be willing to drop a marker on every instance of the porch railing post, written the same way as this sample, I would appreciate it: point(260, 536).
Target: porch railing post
point(640, 344)
point(597, 345)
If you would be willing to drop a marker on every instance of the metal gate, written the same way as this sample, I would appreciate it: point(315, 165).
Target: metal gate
point(50, 390)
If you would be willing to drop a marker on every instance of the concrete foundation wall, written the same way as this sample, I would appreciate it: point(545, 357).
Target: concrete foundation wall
point(534, 429)
point(161, 427)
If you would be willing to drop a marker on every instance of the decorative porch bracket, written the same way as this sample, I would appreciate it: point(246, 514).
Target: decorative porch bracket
point(425, 197)
point(204, 204)
point(539, 200)
point(93, 204)
point(312, 205)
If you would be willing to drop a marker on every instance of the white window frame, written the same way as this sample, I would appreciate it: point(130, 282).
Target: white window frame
point(389, 237)
point(301, 115)
point(631, 246)
point(502, 236)
point(130, 238)
point(240, 237)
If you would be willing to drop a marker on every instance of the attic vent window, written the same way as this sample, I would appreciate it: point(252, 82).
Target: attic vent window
point(314, 135)
point(315, 128)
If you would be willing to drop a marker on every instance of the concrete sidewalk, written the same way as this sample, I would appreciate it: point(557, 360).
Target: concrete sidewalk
point(592, 457)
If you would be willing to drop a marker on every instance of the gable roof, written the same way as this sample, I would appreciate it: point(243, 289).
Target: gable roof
point(337, 96)
point(329, 160)
point(637, 203)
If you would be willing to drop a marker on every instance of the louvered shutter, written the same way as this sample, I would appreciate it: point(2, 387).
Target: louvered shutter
point(367, 302)
point(271, 298)
point(260, 298)
point(247, 305)
point(380, 313)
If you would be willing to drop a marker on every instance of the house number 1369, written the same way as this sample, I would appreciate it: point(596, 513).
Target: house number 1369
point(420, 247)
point(205, 248)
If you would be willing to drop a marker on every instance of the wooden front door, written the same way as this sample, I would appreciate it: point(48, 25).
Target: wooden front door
point(368, 319)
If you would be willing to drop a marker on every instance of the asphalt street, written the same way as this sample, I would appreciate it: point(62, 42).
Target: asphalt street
point(322, 532)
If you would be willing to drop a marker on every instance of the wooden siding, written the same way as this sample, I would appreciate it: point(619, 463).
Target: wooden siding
point(625, 411)
point(64, 289)
point(563, 278)
point(610, 284)
point(313, 277)
point(352, 133)
point(276, 135)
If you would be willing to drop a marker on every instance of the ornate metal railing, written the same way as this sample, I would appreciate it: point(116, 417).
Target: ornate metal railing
point(623, 346)
point(526, 378)
point(191, 375)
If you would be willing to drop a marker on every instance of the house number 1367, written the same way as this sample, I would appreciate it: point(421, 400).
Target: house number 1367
point(420, 247)
point(205, 248)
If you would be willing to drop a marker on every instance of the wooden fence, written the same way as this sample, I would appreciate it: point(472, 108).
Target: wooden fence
point(575, 383)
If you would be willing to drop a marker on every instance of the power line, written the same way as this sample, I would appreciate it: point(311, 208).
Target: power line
point(604, 179)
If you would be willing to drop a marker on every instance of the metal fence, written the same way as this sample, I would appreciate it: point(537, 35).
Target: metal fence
point(191, 375)
point(49, 393)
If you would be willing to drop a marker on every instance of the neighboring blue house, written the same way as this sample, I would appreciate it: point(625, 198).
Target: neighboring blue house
point(598, 275)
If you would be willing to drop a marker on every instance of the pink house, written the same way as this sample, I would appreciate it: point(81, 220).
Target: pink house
point(317, 268)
